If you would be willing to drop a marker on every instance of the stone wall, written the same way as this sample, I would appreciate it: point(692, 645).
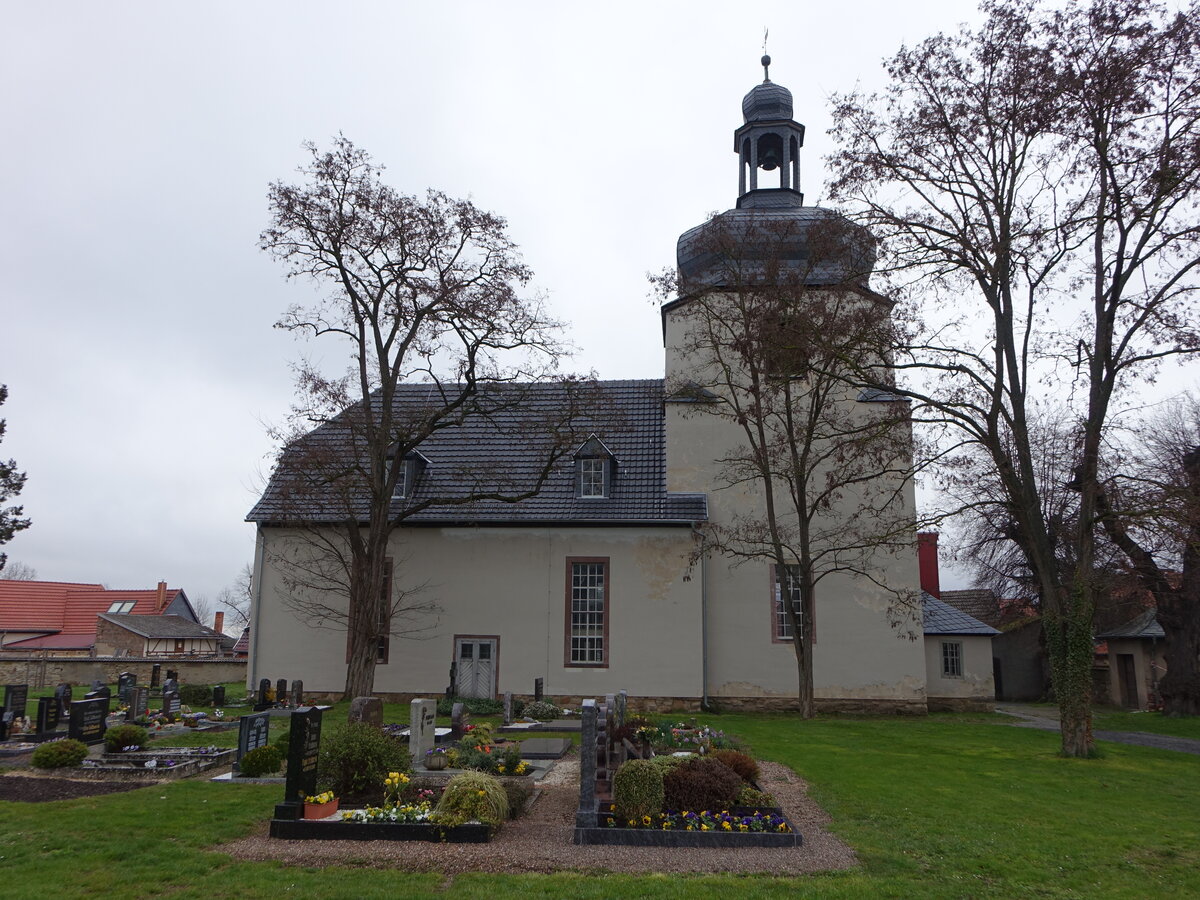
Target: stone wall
point(111, 638)
point(49, 671)
point(960, 704)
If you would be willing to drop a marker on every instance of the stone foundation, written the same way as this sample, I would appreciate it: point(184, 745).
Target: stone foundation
point(961, 704)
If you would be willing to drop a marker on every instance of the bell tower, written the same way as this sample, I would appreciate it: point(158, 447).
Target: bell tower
point(769, 140)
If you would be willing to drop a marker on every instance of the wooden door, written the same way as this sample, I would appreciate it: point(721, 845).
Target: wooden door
point(476, 658)
point(1126, 673)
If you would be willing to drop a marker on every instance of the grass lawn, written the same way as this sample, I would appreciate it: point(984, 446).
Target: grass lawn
point(1108, 719)
point(948, 806)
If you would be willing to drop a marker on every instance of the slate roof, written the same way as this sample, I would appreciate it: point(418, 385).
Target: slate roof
point(501, 453)
point(980, 603)
point(1144, 626)
point(942, 618)
point(160, 626)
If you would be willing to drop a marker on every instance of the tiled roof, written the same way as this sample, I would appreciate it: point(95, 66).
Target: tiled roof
point(36, 605)
point(1144, 626)
point(979, 603)
point(243, 642)
point(500, 453)
point(942, 618)
point(55, 642)
point(160, 626)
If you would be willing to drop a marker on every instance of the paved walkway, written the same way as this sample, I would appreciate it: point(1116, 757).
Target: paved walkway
point(1045, 718)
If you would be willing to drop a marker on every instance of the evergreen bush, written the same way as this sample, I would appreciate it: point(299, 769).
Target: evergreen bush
point(356, 758)
point(195, 694)
point(261, 762)
point(59, 754)
point(472, 796)
point(701, 783)
point(637, 790)
point(541, 711)
point(119, 737)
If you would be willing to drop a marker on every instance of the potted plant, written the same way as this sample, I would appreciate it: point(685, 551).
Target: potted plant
point(435, 759)
point(320, 806)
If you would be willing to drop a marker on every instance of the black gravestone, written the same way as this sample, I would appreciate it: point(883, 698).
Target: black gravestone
point(459, 718)
point(126, 682)
point(218, 695)
point(253, 732)
point(87, 720)
point(304, 746)
point(537, 689)
point(171, 704)
point(62, 694)
point(452, 688)
point(170, 684)
point(297, 698)
point(155, 674)
point(15, 698)
point(263, 700)
point(139, 703)
point(281, 690)
point(173, 675)
point(47, 715)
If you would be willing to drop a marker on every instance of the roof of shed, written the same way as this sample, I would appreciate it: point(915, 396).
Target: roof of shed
point(1144, 626)
point(160, 626)
point(499, 452)
point(942, 618)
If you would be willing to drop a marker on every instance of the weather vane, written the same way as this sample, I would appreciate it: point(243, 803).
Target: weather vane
point(766, 60)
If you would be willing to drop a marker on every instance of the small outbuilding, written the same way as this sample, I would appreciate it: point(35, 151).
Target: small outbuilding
point(1135, 661)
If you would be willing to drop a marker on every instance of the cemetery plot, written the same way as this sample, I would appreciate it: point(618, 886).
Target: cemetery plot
point(171, 763)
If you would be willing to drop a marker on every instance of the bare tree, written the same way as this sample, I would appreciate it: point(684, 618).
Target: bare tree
point(204, 610)
point(425, 297)
point(1043, 172)
point(1151, 511)
point(19, 571)
point(236, 598)
point(773, 340)
point(11, 482)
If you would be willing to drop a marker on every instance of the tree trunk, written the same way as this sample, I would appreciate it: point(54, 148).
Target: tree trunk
point(1070, 647)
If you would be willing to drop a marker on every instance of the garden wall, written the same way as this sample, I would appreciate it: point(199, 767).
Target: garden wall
point(38, 672)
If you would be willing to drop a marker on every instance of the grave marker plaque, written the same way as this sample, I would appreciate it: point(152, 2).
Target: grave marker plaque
point(171, 703)
point(297, 693)
point(139, 702)
point(368, 710)
point(126, 682)
point(253, 732)
point(155, 674)
point(47, 715)
point(218, 695)
point(281, 690)
point(87, 720)
point(173, 675)
point(537, 689)
point(15, 698)
point(459, 718)
point(304, 747)
point(422, 718)
point(263, 699)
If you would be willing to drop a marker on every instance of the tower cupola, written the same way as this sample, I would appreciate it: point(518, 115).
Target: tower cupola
point(770, 140)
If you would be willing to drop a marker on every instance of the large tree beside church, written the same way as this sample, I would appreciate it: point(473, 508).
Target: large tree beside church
point(427, 290)
point(12, 518)
point(1035, 182)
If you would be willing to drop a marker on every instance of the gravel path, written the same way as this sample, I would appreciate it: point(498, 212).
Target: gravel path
point(540, 841)
point(1035, 717)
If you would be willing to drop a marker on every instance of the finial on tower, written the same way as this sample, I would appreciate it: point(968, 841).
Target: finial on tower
point(766, 60)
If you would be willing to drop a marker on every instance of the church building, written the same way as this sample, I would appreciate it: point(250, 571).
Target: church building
point(601, 581)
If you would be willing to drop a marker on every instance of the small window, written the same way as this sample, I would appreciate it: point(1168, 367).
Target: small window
point(781, 625)
point(592, 478)
point(952, 662)
point(403, 486)
point(121, 606)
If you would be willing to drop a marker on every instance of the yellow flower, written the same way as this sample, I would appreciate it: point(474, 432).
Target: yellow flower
point(482, 793)
point(726, 826)
point(703, 826)
point(743, 827)
point(632, 824)
point(645, 820)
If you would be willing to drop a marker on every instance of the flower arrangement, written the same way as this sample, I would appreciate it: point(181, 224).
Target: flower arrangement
point(218, 714)
point(438, 751)
point(323, 797)
point(393, 810)
point(706, 820)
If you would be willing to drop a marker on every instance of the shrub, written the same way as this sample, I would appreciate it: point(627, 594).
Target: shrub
point(281, 742)
point(195, 694)
point(472, 795)
point(699, 784)
point(518, 793)
point(59, 754)
point(668, 762)
point(476, 706)
point(749, 796)
point(356, 758)
point(119, 737)
point(743, 765)
point(541, 710)
point(637, 789)
point(261, 761)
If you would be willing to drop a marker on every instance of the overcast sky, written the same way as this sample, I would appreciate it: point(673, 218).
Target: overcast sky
point(136, 331)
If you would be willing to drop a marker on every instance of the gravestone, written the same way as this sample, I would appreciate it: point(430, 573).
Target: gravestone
point(297, 693)
point(171, 704)
point(155, 674)
point(459, 719)
point(508, 707)
point(47, 715)
point(281, 691)
point(263, 699)
point(537, 689)
point(545, 748)
point(62, 694)
point(622, 703)
point(15, 698)
point(170, 684)
point(88, 720)
point(368, 710)
point(585, 816)
point(452, 688)
point(139, 703)
point(218, 695)
point(304, 746)
point(421, 722)
point(173, 675)
point(254, 731)
point(126, 682)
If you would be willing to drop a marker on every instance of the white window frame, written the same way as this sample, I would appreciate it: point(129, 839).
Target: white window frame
point(402, 483)
point(593, 477)
point(952, 659)
point(587, 612)
point(782, 626)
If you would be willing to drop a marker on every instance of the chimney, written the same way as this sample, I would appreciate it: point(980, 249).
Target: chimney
point(160, 602)
point(219, 622)
point(927, 561)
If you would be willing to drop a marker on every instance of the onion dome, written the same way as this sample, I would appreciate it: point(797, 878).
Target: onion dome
point(767, 101)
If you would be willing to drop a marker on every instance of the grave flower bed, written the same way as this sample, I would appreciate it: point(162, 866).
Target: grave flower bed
point(724, 828)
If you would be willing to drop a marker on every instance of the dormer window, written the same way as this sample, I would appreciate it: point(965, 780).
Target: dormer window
point(404, 482)
point(411, 467)
point(594, 469)
point(121, 606)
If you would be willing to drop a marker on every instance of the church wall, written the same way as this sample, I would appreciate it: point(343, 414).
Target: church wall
point(510, 583)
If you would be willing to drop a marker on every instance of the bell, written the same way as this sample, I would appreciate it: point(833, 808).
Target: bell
point(770, 160)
